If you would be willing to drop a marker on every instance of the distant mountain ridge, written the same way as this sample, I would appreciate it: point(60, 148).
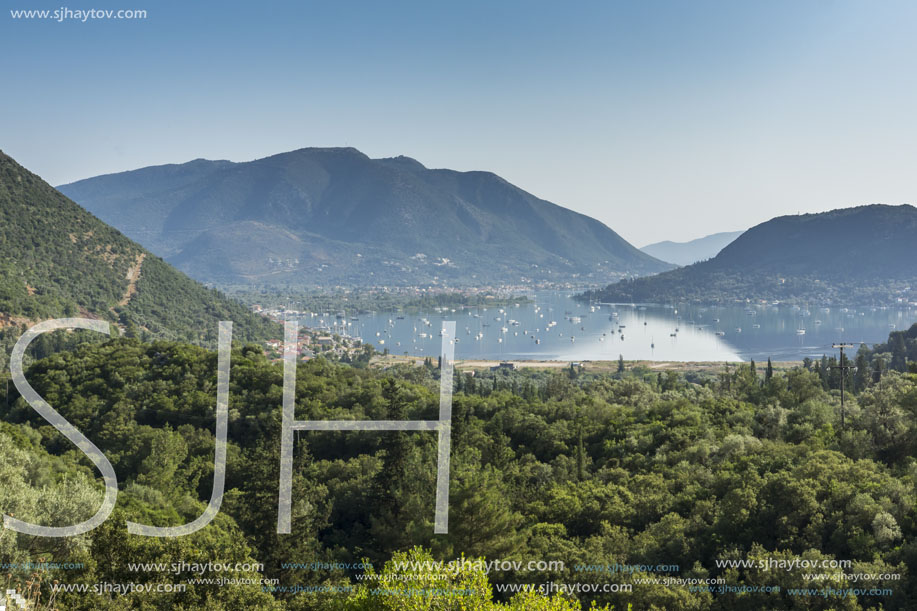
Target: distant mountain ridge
point(58, 260)
point(686, 253)
point(335, 215)
point(866, 254)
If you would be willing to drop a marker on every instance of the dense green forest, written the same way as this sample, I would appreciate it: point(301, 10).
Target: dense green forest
point(898, 353)
point(698, 474)
point(57, 260)
point(701, 284)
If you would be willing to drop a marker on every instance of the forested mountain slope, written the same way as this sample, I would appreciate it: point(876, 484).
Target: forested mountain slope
point(321, 215)
point(58, 260)
point(863, 255)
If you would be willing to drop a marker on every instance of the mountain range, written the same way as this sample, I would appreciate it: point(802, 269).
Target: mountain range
point(57, 260)
point(866, 254)
point(320, 216)
point(686, 253)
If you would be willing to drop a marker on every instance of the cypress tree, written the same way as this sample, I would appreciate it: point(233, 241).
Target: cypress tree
point(878, 366)
point(899, 352)
point(580, 454)
point(861, 378)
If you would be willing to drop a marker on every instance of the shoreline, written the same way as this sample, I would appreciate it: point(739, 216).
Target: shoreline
point(590, 366)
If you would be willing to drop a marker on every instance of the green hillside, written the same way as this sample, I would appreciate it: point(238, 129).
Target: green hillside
point(862, 255)
point(58, 260)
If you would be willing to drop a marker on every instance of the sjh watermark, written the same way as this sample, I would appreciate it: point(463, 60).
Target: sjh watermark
point(66, 13)
point(442, 426)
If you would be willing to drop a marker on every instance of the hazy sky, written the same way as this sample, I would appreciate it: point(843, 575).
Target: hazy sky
point(665, 120)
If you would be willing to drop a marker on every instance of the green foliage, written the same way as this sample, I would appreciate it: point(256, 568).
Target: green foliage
point(406, 586)
point(785, 259)
point(57, 260)
point(897, 352)
point(587, 470)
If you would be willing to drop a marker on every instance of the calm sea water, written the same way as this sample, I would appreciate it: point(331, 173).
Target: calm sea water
point(555, 327)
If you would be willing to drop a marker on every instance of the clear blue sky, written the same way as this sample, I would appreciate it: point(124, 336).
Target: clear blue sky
point(665, 120)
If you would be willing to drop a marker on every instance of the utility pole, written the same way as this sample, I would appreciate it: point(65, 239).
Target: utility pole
point(842, 365)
